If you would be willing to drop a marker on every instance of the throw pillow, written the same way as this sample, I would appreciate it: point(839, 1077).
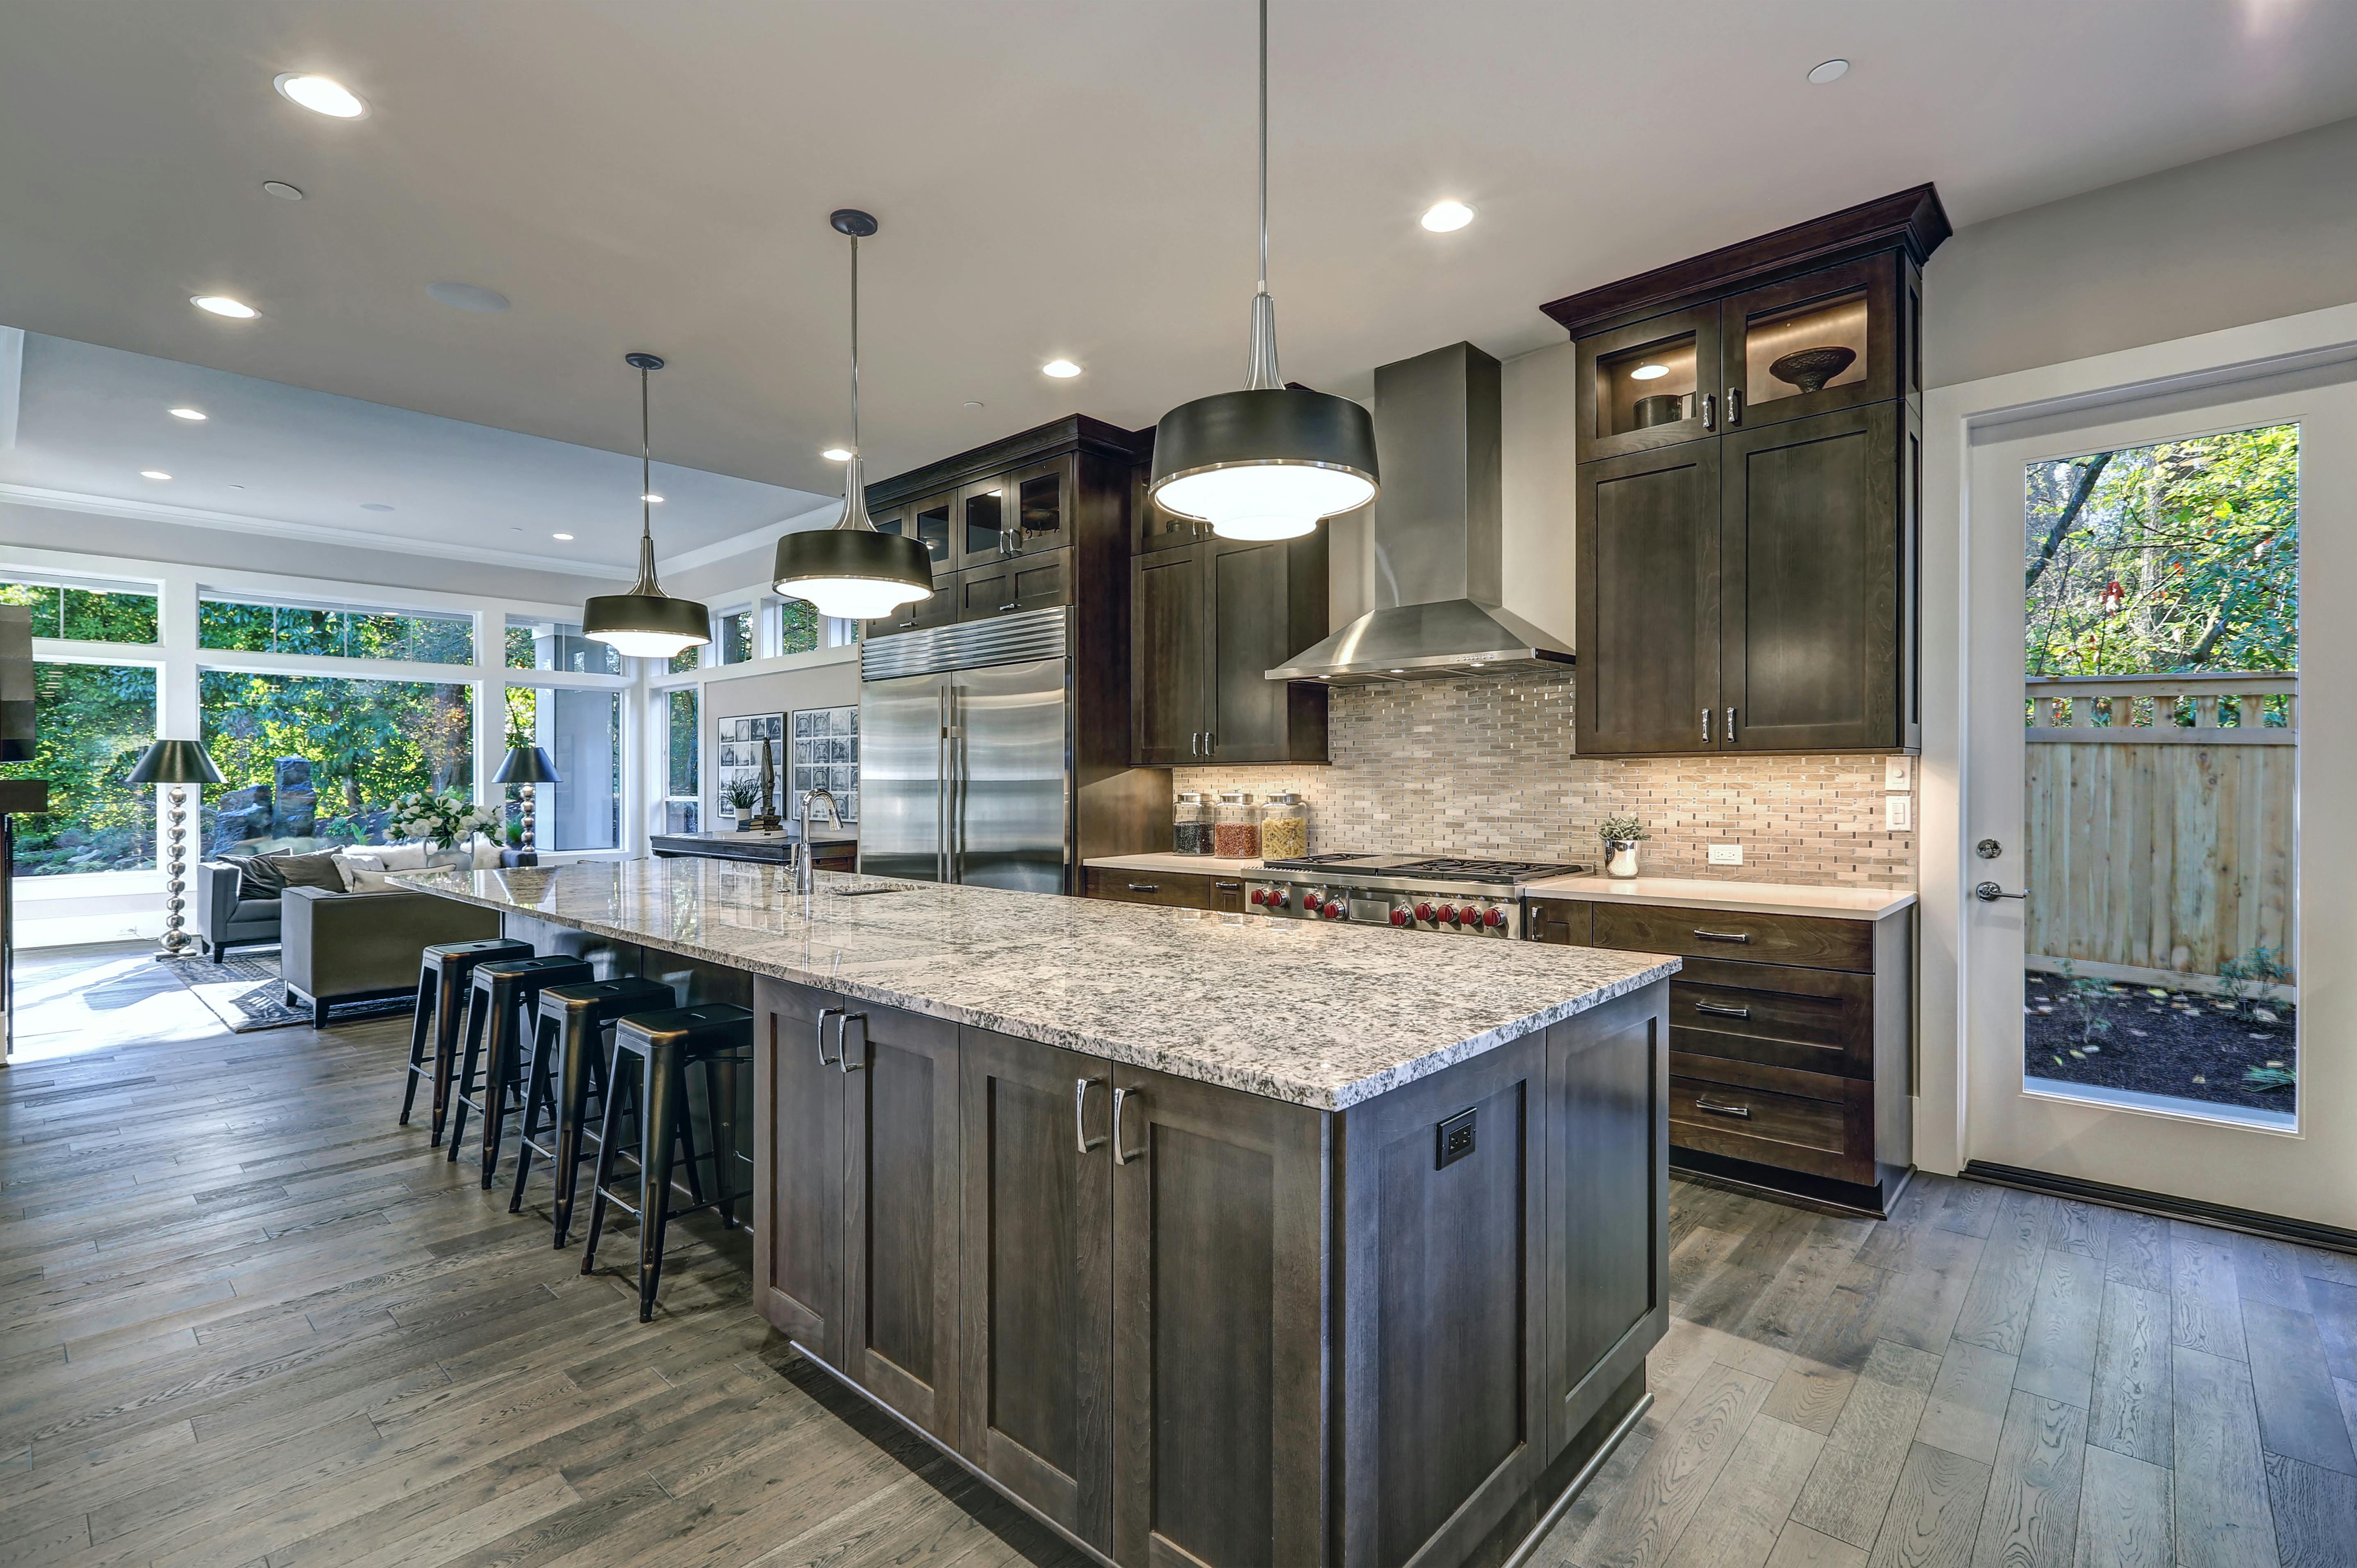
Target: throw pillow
point(258, 875)
point(402, 856)
point(310, 871)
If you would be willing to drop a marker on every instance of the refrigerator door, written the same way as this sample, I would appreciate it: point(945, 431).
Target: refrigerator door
point(903, 806)
point(1009, 800)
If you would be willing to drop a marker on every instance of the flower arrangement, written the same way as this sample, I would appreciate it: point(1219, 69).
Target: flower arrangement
point(444, 820)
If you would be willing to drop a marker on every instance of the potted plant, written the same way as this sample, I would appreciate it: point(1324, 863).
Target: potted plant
point(443, 819)
point(740, 795)
point(1621, 836)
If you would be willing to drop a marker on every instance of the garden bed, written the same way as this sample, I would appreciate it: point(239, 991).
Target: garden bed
point(2181, 1044)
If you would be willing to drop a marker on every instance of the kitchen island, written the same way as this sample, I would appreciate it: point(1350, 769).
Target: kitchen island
point(1209, 1240)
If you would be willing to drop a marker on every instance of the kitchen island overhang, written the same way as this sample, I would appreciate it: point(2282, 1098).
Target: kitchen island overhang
point(1206, 1240)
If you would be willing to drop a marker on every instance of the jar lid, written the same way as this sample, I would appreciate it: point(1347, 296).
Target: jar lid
point(1191, 797)
point(1282, 798)
point(1234, 798)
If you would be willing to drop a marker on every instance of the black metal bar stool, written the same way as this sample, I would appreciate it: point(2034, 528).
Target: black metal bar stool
point(662, 1046)
point(568, 1063)
point(506, 992)
point(443, 975)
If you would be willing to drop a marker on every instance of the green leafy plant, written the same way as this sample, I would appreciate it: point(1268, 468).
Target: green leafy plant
point(2270, 1078)
point(2087, 998)
point(740, 794)
point(2249, 978)
point(1621, 829)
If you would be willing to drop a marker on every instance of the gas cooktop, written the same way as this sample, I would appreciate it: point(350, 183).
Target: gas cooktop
point(1428, 868)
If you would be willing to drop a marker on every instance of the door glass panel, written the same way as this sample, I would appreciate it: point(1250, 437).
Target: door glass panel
point(932, 529)
point(985, 513)
point(1041, 501)
point(2161, 652)
point(1804, 347)
point(1639, 388)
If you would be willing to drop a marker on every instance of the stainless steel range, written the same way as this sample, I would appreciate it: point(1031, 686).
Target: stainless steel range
point(1421, 893)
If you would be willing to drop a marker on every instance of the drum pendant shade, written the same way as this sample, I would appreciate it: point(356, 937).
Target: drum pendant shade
point(646, 622)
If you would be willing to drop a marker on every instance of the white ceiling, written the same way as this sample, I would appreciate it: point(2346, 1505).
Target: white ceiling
point(1053, 178)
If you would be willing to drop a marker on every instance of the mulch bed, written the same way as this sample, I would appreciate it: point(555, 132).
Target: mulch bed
point(2179, 1043)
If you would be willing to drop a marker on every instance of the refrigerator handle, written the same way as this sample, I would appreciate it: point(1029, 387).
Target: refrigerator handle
point(941, 793)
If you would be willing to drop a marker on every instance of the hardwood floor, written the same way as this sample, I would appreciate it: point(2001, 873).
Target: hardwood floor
point(245, 1319)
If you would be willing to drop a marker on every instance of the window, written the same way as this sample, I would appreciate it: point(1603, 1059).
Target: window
point(682, 794)
point(558, 645)
point(87, 612)
point(736, 638)
point(341, 631)
point(800, 627)
point(311, 759)
point(687, 660)
point(95, 721)
point(582, 732)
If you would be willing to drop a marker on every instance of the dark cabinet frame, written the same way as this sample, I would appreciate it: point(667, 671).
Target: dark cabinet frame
point(1878, 278)
point(1200, 670)
point(1655, 614)
point(1701, 324)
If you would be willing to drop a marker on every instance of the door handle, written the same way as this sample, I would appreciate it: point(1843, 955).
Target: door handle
point(843, 1046)
point(1716, 1108)
point(1989, 893)
point(1121, 1097)
point(1734, 406)
point(824, 1013)
point(1706, 726)
point(1728, 731)
point(1716, 1011)
point(1724, 936)
point(1079, 1107)
point(1709, 411)
point(1008, 604)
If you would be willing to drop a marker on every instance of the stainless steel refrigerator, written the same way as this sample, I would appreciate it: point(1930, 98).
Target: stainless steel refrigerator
point(965, 754)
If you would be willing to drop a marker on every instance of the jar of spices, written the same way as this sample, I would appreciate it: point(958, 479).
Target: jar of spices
point(1235, 826)
point(1284, 826)
point(1190, 824)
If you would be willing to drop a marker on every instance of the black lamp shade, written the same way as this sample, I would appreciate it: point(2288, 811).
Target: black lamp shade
point(1274, 425)
point(856, 555)
point(527, 765)
point(658, 613)
point(175, 762)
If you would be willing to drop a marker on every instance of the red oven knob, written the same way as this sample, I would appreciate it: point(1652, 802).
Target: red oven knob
point(1278, 899)
point(1425, 913)
point(1449, 913)
point(1260, 895)
point(1334, 908)
point(1493, 916)
point(1399, 917)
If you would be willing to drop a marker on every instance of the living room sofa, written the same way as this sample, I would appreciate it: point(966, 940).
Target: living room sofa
point(351, 947)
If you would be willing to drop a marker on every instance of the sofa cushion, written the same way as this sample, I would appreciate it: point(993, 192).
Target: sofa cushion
point(255, 912)
point(258, 875)
point(401, 856)
point(309, 871)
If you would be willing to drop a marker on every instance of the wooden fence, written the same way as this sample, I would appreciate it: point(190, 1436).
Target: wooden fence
point(2160, 836)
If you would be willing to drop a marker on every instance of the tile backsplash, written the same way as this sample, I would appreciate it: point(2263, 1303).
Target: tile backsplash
point(1485, 766)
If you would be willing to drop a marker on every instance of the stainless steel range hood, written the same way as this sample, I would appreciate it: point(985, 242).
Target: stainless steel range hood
point(1435, 532)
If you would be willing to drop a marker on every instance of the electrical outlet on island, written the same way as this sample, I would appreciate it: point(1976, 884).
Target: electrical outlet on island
point(1727, 854)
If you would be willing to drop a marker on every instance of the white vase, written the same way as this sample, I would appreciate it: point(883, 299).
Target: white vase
point(1620, 858)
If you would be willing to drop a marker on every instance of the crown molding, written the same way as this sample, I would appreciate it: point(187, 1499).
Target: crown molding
point(752, 538)
point(314, 533)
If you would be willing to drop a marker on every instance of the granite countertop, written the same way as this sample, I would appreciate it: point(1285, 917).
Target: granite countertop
point(1201, 865)
point(784, 835)
point(1755, 897)
point(1320, 1015)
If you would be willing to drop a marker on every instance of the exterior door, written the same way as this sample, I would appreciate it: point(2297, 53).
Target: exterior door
point(1007, 803)
point(1037, 1286)
point(1167, 624)
point(1648, 602)
point(903, 807)
point(1809, 565)
point(798, 1179)
point(900, 1213)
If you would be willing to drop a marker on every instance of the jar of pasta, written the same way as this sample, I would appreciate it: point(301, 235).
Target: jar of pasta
point(1235, 826)
point(1284, 826)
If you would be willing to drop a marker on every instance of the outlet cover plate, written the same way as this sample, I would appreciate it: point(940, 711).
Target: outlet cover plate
point(1727, 854)
point(1898, 814)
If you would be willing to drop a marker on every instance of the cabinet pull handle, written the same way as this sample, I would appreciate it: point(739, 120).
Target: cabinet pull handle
point(1706, 726)
point(1229, 886)
point(1011, 604)
point(1716, 1108)
point(843, 1048)
point(1734, 406)
point(1145, 887)
point(1194, 742)
point(1724, 936)
point(1211, 742)
point(1079, 1107)
point(1709, 411)
point(1122, 1156)
point(824, 1015)
point(1729, 730)
point(1716, 1011)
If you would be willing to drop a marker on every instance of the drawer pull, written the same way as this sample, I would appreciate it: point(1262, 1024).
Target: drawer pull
point(1716, 1108)
point(1229, 886)
point(1716, 1011)
point(1145, 887)
point(1724, 936)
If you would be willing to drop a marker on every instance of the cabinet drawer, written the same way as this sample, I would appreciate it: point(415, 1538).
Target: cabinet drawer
point(1564, 922)
point(1803, 941)
point(1182, 890)
point(1822, 1137)
point(1019, 583)
point(1226, 894)
point(1816, 1020)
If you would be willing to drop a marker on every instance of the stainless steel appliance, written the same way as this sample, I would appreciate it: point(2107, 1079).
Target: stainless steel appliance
point(965, 741)
point(1422, 893)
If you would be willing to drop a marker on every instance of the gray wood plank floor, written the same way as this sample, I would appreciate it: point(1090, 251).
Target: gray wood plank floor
point(246, 1320)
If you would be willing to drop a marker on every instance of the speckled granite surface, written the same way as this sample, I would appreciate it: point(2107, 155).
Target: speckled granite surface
point(1320, 1015)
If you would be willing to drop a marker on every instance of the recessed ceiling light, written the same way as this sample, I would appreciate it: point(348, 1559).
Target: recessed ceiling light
point(374, 506)
point(972, 403)
point(837, 455)
point(153, 473)
point(1444, 217)
point(222, 305)
point(560, 536)
point(1062, 370)
point(652, 499)
point(469, 296)
point(321, 94)
point(282, 190)
point(1649, 372)
point(1828, 71)
point(194, 415)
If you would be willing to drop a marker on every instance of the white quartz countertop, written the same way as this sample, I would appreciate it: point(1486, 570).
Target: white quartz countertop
point(1756, 897)
point(1201, 864)
point(1320, 1015)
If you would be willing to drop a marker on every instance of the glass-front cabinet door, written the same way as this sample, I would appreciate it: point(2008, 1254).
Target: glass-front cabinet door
point(1652, 384)
point(984, 513)
point(1042, 501)
point(1819, 342)
point(928, 521)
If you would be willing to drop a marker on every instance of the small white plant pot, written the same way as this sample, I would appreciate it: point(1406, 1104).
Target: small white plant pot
point(1620, 858)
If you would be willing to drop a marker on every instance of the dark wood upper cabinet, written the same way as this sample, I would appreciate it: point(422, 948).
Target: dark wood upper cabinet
point(939, 608)
point(1167, 595)
point(1208, 622)
point(1158, 528)
point(1016, 583)
point(1747, 542)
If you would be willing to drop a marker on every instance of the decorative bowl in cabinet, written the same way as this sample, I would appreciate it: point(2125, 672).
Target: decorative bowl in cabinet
point(1810, 369)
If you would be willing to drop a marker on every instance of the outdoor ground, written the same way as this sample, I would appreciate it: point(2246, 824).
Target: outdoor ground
point(2180, 1043)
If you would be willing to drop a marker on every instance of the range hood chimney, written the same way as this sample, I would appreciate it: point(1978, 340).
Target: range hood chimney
point(1437, 535)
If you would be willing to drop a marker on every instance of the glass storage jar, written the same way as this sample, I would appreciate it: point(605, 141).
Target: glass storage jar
point(1284, 826)
point(1190, 824)
point(1235, 826)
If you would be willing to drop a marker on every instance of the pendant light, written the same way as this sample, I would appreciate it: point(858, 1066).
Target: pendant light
point(851, 571)
point(1269, 461)
point(646, 622)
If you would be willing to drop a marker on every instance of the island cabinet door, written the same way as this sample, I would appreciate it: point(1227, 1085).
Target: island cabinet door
point(900, 1213)
point(1221, 1307)
point(1037, 1302)
point(1443, 1208)
point(798, 1181)
point(1607, 1183)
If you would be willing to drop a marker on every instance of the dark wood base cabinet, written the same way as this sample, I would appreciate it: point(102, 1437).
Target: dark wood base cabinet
point(1190, 1325)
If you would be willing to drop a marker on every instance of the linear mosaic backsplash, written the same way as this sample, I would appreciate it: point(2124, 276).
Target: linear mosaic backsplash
point(1485, 767)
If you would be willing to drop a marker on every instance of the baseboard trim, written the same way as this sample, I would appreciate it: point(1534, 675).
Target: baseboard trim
point(2273, 1227)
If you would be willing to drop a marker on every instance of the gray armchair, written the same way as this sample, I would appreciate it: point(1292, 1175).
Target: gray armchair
point(225, 920)
point(351, 947)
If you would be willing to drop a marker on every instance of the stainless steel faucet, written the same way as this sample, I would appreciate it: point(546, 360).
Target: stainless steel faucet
point(805, 853)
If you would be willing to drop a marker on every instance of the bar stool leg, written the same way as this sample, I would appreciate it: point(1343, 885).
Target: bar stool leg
point(506, 1037)
point(579, 1060)
point(463, 1080)
point(418, 1037)
point(720, 1086)
point(449, 1019)
point(659, 1113)
point(609, 1138)
point(537, 1090)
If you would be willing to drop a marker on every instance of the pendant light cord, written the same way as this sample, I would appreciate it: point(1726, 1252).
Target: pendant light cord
point(1264, 146)
point(855, 346)
point(646, 586)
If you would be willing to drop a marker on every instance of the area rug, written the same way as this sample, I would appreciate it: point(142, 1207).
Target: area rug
point(246, 994)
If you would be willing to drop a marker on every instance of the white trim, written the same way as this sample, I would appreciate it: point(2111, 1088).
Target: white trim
point(12, 382)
